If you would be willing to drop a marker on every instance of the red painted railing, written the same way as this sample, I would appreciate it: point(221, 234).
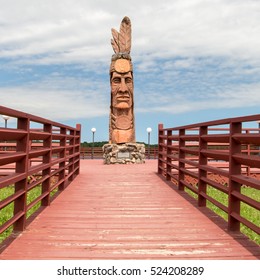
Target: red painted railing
point(46, 155)
point(191, 157)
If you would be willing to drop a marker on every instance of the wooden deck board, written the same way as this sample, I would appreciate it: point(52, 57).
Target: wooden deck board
point(126, 212)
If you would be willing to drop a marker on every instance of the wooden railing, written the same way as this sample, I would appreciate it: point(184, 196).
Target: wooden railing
point(44, 154)
point(191, 157)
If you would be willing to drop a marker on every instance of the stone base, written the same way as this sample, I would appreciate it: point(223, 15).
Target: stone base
point(127, 153)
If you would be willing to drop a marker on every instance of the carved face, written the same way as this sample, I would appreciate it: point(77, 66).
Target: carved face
point(122, 90)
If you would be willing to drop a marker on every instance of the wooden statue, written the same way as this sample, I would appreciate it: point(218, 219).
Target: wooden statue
point(121, 123)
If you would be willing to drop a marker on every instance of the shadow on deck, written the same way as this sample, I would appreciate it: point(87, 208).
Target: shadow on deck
point(127, 212)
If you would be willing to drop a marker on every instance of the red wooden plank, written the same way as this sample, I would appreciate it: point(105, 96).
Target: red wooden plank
point(127, 212)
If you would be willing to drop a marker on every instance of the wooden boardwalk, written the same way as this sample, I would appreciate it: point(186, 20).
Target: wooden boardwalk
point(126, 212)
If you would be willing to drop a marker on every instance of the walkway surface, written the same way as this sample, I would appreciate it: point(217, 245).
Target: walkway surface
point(126, 212)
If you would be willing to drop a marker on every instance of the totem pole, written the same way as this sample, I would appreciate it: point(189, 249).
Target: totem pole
point(122, 147)
point(121, 124)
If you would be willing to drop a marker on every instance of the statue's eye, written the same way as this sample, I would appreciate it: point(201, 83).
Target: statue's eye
point(128, 80)
point(117, 80)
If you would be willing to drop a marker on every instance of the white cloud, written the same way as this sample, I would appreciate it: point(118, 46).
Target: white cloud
point(176, 103)
point(58, 98)
point(179, 47)
point(160, 28)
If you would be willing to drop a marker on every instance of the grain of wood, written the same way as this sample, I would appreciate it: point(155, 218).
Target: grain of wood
point(126, 212)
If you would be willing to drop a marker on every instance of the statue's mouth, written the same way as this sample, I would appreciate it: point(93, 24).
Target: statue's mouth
point(123, 98)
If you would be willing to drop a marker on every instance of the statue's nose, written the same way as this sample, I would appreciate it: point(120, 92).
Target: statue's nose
point(123, 87)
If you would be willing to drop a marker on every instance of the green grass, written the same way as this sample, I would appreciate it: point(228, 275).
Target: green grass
point(7, 212)
point(247, 211)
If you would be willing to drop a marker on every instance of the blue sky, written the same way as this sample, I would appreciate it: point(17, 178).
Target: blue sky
point(194, 60)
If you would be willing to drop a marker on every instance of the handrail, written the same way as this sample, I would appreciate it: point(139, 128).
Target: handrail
point(86, 152)
point(222, 154)
point(47, 156)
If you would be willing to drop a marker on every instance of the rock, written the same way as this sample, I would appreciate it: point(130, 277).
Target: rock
point(130, 153)
point(112, 160)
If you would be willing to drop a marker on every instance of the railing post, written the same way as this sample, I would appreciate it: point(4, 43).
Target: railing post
point(160, 148)
point(202, 186)
point(63, 142)
point(20, 204)
point(46, 184)
point(77, 149)
point(168, 156)
point(181, 156)
point(248, 153)
point(72, 159)
point(234, 169)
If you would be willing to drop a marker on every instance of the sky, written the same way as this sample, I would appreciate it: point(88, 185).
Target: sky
point(193, 60)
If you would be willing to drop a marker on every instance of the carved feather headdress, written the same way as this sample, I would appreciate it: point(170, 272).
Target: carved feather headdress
point(121, 41)
point(121, 44)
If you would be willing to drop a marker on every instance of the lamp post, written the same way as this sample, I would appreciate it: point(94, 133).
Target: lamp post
point(6, 118)
point(149, 130)
point(93, 129)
